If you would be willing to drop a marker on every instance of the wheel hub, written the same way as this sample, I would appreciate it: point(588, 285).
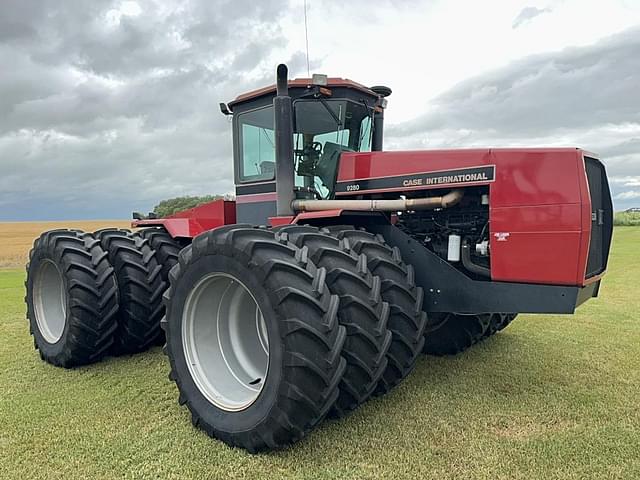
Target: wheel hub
point(225, 342)
point(50, 301)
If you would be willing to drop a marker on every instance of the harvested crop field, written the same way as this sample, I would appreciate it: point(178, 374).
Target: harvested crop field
point(16, 238)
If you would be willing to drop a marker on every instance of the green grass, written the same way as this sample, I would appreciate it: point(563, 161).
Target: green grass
point(550, 397)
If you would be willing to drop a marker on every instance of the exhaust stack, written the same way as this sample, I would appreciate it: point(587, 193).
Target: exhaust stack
point(378, 117)
point(283, 119)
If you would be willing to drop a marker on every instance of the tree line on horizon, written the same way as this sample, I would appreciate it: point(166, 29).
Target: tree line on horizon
point(178, 204)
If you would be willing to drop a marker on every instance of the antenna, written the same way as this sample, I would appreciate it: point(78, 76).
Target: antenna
point(306, 37)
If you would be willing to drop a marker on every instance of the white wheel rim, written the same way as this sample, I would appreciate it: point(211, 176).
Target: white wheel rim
point(225, 342)
point(50, 301)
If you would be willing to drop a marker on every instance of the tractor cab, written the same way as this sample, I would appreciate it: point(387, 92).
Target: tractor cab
point(327, 116)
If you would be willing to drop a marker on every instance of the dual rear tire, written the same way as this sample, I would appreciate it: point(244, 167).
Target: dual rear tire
point(72, 298)
point(140, 285)
point(93, 294)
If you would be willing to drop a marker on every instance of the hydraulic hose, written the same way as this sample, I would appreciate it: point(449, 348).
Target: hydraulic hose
point(468, 263)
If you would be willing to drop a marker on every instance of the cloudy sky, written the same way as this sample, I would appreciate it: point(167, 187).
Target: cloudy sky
point(110, 106)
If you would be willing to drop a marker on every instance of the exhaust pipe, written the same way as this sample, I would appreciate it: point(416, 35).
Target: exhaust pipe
point(283, 120)
point(429, 203)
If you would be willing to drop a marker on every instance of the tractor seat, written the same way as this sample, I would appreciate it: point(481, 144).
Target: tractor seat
point(327, 168)
point(267, 170)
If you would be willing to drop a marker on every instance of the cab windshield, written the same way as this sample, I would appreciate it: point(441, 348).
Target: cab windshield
point(322, 130)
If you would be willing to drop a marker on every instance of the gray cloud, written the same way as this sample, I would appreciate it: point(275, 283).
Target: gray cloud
point(527, 14)
point(104, 113)
point(586, 96)
point(578, 87)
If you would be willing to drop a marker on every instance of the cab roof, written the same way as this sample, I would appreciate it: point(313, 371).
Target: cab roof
point(332, 82)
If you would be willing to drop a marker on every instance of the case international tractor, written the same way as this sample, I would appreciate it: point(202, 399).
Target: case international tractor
point(335, 267)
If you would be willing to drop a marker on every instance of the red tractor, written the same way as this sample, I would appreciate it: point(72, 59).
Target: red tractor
point(335, 267)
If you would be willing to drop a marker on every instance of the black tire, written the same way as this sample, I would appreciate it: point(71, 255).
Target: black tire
point(305, 340)
point(362, 312)
point(407, 321)
point(165, 246)
point(499, 321)
point(509, 317)
point(451, 333)
point(140, 284)
point(89, 302)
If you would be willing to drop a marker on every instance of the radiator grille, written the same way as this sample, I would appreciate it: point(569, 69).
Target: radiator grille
point(601, 217)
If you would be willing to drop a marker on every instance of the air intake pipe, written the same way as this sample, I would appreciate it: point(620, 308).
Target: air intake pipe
point(429, 203)
point(283, 120)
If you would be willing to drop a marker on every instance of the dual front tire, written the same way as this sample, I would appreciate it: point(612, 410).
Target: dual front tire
point(256, 400)
point(321, 326)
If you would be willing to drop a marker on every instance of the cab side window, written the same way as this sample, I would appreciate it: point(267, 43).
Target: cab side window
point(257, 145)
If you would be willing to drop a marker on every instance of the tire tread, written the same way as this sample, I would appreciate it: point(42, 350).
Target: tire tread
point(140, 287)
point(407, 321)
point(362, 311)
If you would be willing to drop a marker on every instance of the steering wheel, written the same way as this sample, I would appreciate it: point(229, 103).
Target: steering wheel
point(316, 147)
point(308, 158)
point(312, 150)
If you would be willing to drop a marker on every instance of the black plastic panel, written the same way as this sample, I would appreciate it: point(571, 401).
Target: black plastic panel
point(447, 289)
point(601, 217)
point(255, 213)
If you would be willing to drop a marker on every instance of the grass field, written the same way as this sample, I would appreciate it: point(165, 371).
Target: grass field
point(551, 397)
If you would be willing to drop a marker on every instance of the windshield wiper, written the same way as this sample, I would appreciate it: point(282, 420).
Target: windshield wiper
point(328, 108)
point(370, 113)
